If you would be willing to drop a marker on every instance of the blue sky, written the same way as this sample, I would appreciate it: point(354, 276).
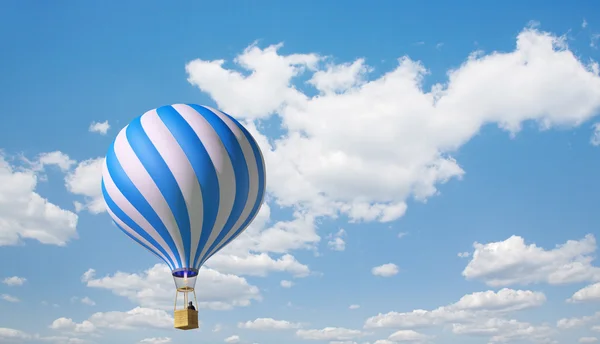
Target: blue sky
point(422, 130)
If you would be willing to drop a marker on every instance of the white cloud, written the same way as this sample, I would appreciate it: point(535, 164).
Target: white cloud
point(505, 300)
point(464, 254)
point(14, 281)
point(45, 303)
point(9, 334)
point(136, 318)
point(156, 340)
point(336, 241)
point(269, 71)
point(595, 328)
point(589, 293)
point(408, 336)
point(68, 325)
point(257, 264)
point(567, 323)
point(232, 339)
point(595, 140)
point(338, 164)
point(385, 270)
point(588, 340)
point(286, 284)
point(402, 235)
point(266, 324)
point(505, 331)
point(9, 298)
point(154, 288)
point(340, 78)
point(594, 40)
point(512, 262)
point(56, 158)
point(60, 339)
point(87, 301)
point(85, 181)
point(280, 237)
point(584, 24)
point(469, 308)
point(354, 307)
point(99, 127)
point(24, 214)
point(329, 334)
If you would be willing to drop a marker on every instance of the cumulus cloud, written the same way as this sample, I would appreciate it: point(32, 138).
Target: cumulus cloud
point(9, 298)
point(595, 139)
point(330, 334)
point(154, 288)
point(385, 270)
point(505, 331)
point(25, 214)
point(137, 318)
point(512, 261)
point(412, 336)
point(589, 293)
point(10, 335)
point(266, 324)
point(504, 300)
point(286, 284)
point(14, 281)
point(84, 181)
point(85, 300)
point(68, 325)
point(347, 161)
point(476, 314)
point(257, 264)
point(567, 323)
point(232, 339)
point(56, 158)
point(156, 340)
point(336, 241)
point(99, 127)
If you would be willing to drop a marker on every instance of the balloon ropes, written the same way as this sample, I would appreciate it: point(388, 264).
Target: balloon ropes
point(184, 181)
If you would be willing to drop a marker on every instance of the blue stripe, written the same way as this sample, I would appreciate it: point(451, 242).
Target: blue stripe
point(131, 224)
point(261, 187)
point(139, 242)
point(240, 168)
point(133, 195)
point(203, 167)
point(163, 178)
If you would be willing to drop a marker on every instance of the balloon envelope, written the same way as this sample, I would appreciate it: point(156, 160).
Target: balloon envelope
point(183, 181)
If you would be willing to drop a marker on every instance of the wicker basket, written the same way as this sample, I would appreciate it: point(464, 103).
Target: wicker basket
point(186, 319)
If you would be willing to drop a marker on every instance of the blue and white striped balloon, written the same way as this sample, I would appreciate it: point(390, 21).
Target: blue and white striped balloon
point(183, 181)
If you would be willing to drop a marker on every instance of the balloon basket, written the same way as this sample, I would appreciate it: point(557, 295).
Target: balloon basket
point(186, 319)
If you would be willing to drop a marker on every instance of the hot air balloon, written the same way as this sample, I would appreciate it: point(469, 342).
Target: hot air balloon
point(183, 181)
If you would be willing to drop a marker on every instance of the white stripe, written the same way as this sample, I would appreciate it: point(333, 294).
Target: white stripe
point(223, 166)
point(252, 174)
point(178, 163)
point(123, 203)
point(137, 236)
point(145, 185)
